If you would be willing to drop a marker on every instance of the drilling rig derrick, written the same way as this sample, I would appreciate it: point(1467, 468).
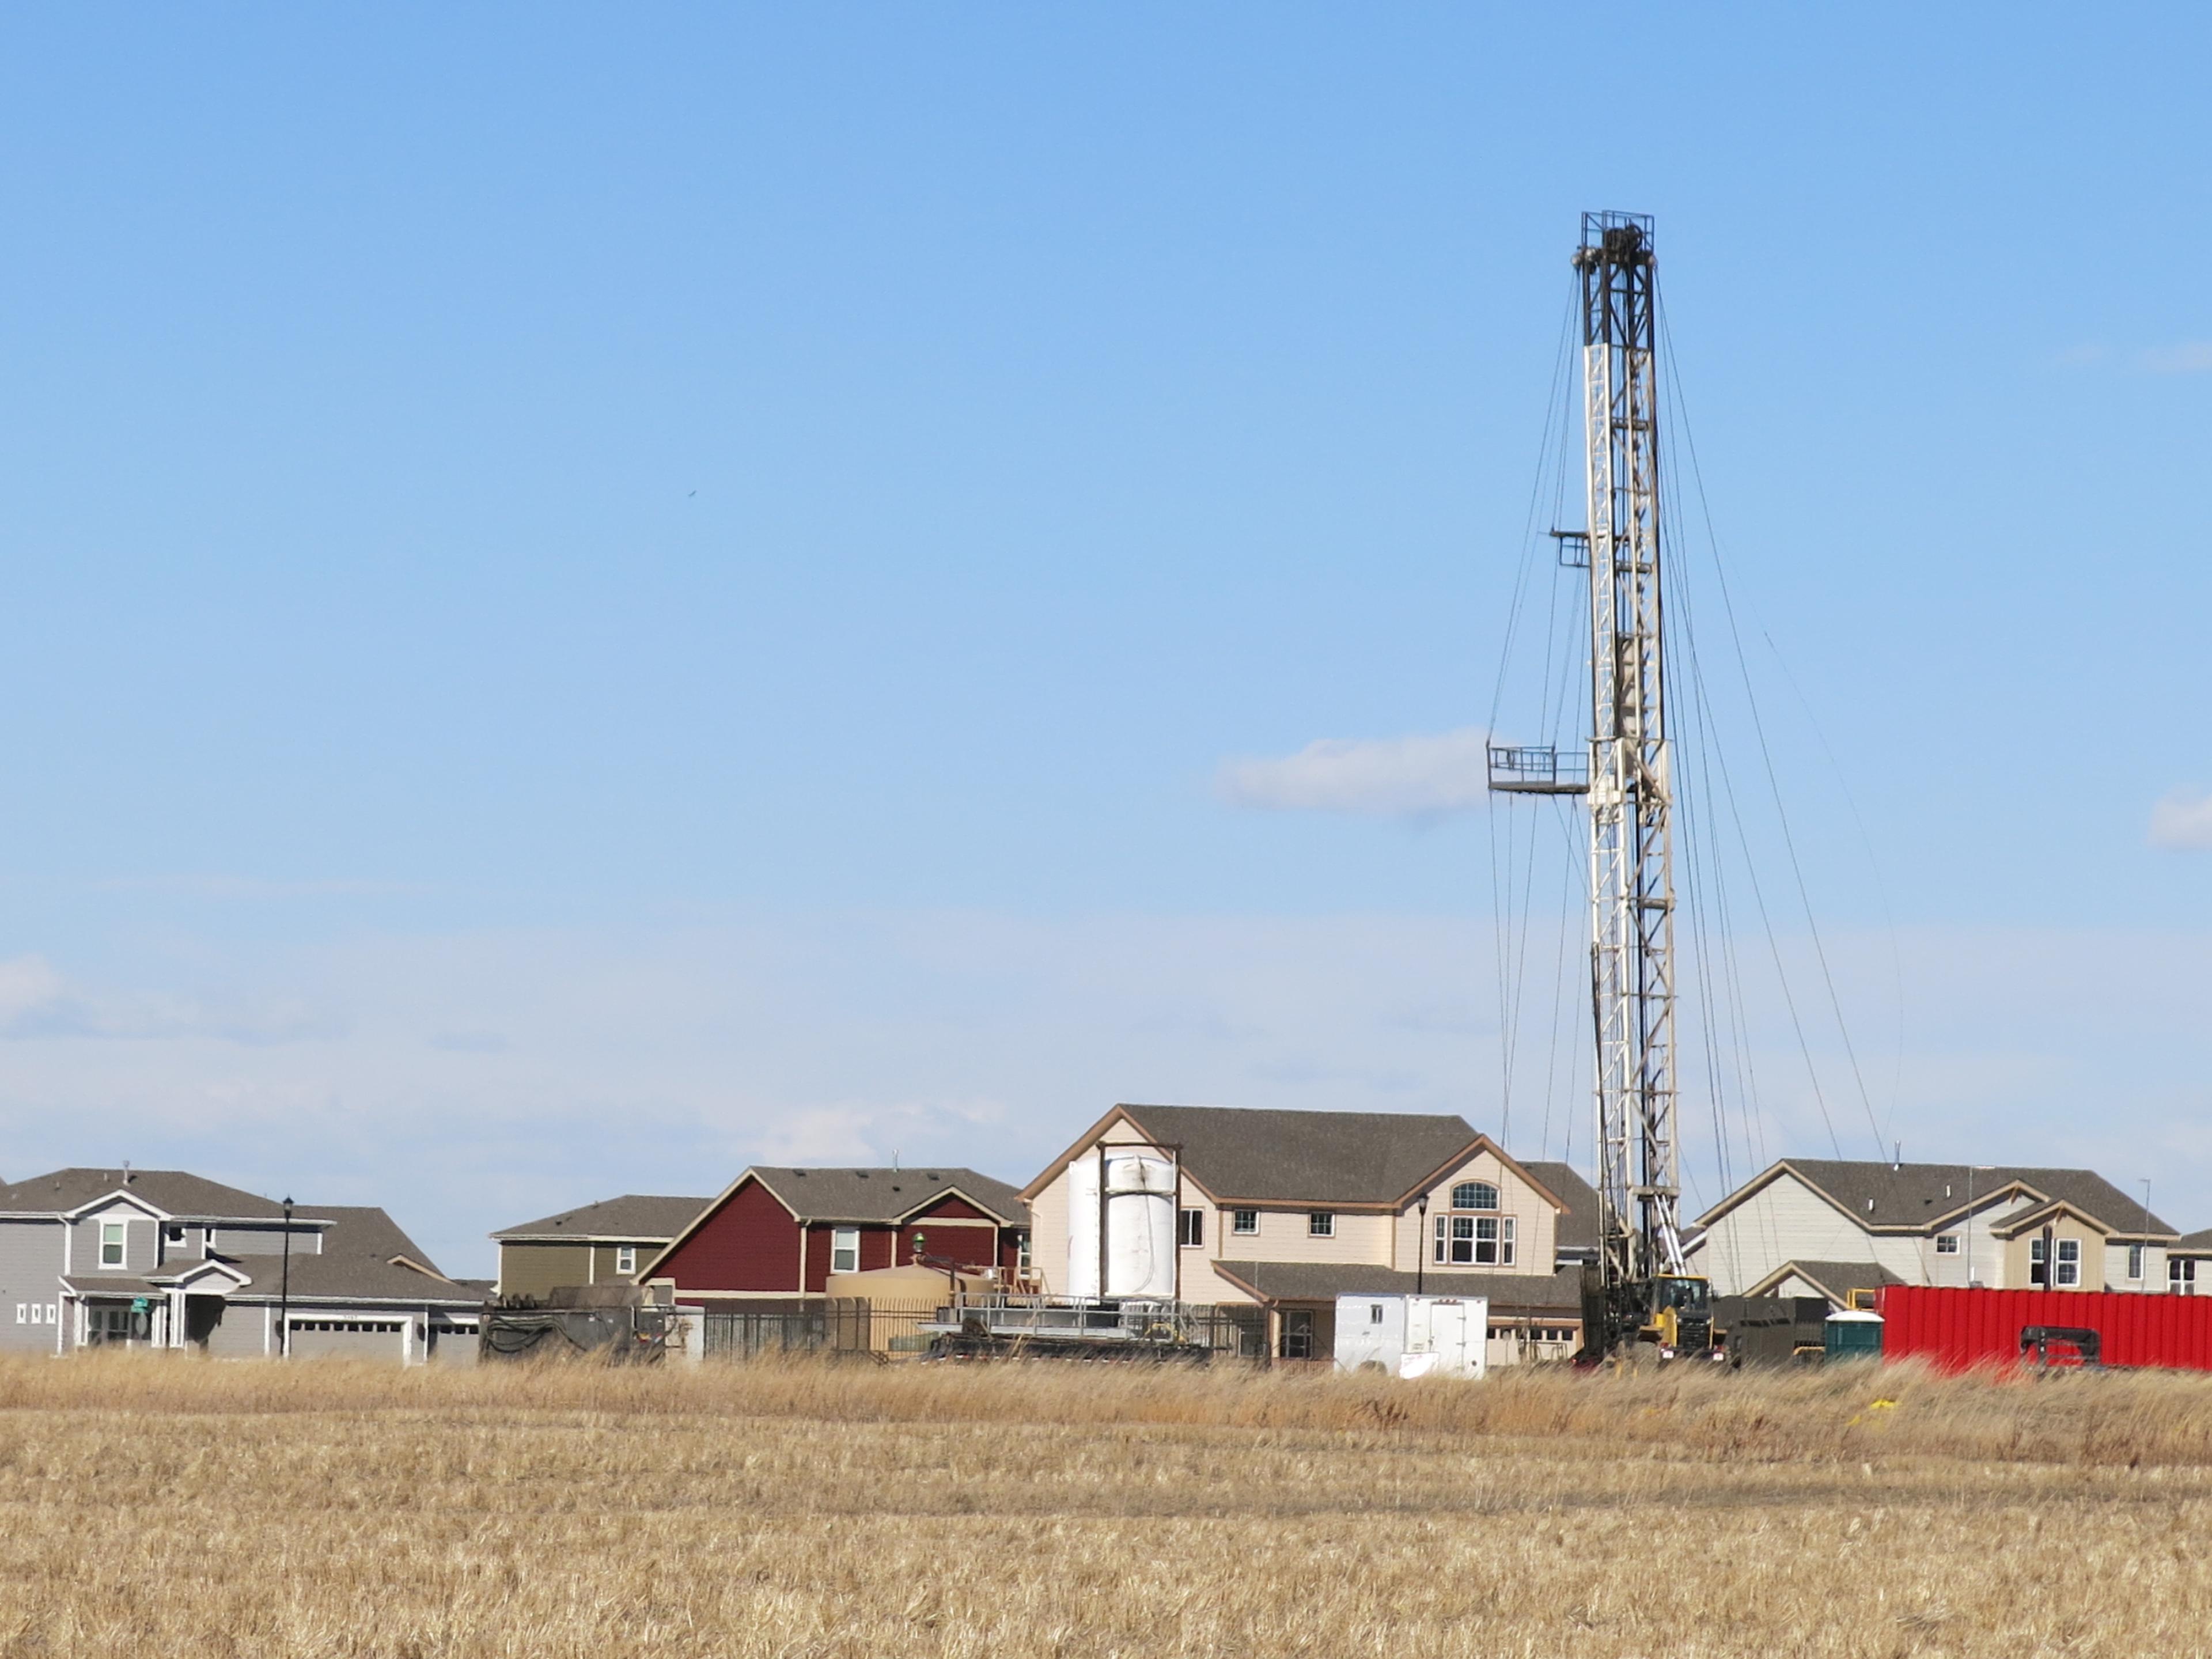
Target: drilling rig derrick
point(1641, 1286)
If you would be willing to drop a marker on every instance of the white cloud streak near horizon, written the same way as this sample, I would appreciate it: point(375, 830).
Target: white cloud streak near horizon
point(1412, 777)
point(2182, 824)
point(467, 1081)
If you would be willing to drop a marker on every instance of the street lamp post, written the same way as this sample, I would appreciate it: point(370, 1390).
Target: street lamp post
point(284, 1294)
point(1421, 1249)
point(2142, 1250)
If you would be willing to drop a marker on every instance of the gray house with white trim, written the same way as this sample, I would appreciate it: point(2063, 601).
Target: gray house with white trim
point(163, 1259)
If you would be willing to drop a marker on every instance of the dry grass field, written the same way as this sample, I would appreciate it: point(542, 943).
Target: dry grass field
point(157, 1508)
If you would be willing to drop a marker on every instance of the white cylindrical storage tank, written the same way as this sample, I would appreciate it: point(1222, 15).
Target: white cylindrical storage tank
point(1140, 1225)
point(1138, 1219)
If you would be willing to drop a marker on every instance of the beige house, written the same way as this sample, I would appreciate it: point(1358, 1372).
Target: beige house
point(1829, 1227)
point(1283, 1211)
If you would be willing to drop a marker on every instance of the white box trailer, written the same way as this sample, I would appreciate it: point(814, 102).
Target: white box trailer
point(1414, 1335)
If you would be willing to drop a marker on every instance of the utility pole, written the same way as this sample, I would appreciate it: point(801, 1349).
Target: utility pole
point(1627, 777)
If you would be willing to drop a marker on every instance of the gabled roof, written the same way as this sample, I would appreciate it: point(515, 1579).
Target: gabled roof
point(1557, 1295)
point(173, 1192)
point(365, 1257)
point(870, 1197)
point(1268, 1156)
point(1834, 1280)
point(1919, 1197)
point(2040, 1215)
point(632, 1219)
point(1576, 1227)
point(879, 1196)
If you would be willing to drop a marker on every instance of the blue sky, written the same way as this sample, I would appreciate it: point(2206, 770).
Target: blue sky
point(588, 599)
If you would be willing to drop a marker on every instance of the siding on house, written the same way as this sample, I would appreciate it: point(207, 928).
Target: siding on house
point(267, 1240)
point(140, 1255)
point(1536, 1221)
point(242, 1332)
point(536, 1269)
point(1986, 1256)
point(2116, 1268)
point(749, 1243)
point(30, 1273)
point(970, 1245)
point(1787, 1221)
point(2064, 1227)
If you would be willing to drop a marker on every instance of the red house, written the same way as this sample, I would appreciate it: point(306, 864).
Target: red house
point(782, 1233)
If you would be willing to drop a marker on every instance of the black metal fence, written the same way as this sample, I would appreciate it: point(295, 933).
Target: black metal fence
point(838, 1326)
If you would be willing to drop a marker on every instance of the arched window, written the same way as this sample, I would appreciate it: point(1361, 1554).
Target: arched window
point(1475, 1195)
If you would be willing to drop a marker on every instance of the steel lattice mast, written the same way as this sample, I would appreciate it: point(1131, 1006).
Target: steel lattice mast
point(1628, 778)
point(1631, 796)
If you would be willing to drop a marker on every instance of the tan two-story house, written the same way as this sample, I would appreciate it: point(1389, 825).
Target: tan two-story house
point(1283, 1211)
point(1834, 1227)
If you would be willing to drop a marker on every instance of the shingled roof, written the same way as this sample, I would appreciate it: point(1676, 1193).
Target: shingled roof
point(1577, 1223)
point(361, 1260)
point(634, 1217)
point(1321, 1158)
point(882, 1196)
point(1836, 1280)
point(173, 1192)
point(1911, 1196)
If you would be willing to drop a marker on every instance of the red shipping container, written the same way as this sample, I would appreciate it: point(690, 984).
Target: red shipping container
point(1956, 1329)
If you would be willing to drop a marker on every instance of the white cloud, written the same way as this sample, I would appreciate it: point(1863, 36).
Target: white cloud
point(38, 1001)
point(2182, 824)
point(2190, 357)
point(1389, 777)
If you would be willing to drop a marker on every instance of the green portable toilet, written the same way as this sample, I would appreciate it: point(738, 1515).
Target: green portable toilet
point(1852, 1334)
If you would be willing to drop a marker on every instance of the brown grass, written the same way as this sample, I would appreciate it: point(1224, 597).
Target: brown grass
point(171, 1508)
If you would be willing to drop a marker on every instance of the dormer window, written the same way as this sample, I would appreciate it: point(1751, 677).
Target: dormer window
point(1475, 1195)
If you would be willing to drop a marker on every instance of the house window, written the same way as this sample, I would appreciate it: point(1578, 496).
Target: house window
point(1494, 1240)
point(1021, 1253)
point(1947, 1243)
point(1475, 1195)
point(2069, 1262)
point(174, 1232)
point(111, 1243)
point(1245, 1224)
point(1320, 1223)
point(625, 1258)
point(1190, 1229)
point(1454, 1239)
point(2037, 1273)
point(1468, 1241)
point(2181, 1274)
point(845, 1250)
point(1374, 1313)
point(2135, 1263)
